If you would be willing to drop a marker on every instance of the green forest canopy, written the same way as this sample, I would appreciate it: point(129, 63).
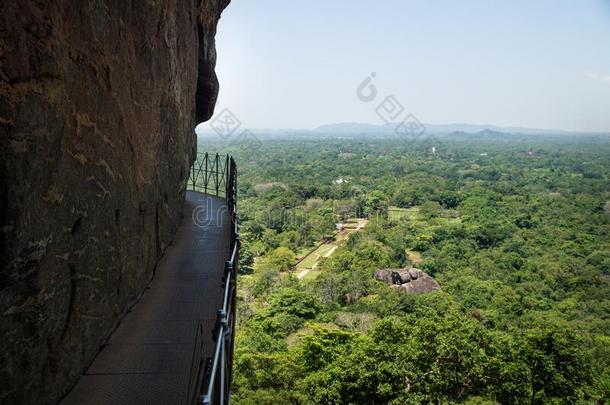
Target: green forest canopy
point(515, 230)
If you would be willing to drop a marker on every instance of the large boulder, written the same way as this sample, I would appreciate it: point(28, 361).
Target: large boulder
point(408, 280)
point(423, 284)
point(384, 275)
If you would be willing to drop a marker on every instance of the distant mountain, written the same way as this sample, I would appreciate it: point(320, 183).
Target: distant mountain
point(470, 128)
point(354, 128)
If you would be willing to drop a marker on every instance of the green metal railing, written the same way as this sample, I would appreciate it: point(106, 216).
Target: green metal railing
point(210, 174)
point(217, 174)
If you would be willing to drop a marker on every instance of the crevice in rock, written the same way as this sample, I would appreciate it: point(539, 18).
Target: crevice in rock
point(76, 226)
point(157, 234)
point(71, 300)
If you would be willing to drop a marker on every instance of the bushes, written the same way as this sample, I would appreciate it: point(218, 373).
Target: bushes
point(558, 368)
point(434, 359)
point(293, 302)
point(280, 259)
point(601, 260)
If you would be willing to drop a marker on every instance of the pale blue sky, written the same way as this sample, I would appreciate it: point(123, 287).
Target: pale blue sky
point(535, 63)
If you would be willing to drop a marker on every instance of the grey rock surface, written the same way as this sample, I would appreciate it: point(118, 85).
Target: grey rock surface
point(404, 275)
point(414, 273)
point(423, 284)
point(408, 280)
point(385, 275)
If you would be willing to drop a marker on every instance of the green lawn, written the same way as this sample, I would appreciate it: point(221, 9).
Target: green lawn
point(326, 249)
point(397, 213)
point(311, 260)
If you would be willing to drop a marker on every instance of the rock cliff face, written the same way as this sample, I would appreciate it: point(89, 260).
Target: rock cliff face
point(98, 102)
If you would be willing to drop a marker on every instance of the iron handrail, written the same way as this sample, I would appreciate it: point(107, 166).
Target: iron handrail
point(209, 175)
point(224, 331)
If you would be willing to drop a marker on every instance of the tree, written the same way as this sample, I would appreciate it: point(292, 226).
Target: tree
point(246, 257)
point(269, 239)
point(601, 260)
point(490, 234)
point(294, 302)
point(281, 259)
point(324, 222)
point(450, 199)
point(376, 203)
point(430, 209)
point(558, 366)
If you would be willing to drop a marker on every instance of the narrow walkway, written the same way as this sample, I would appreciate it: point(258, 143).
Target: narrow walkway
point(153, 355)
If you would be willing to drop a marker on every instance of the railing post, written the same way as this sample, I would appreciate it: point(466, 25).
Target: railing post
point(193, 171)
point(222, 370)
point(216, 159)
point(227, 176)
point(205, 178)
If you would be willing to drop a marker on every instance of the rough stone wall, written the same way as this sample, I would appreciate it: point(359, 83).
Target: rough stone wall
point(98, 102)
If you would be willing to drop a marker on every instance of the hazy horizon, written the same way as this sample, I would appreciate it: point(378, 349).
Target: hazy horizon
point(294, 65)
point(205, 126)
